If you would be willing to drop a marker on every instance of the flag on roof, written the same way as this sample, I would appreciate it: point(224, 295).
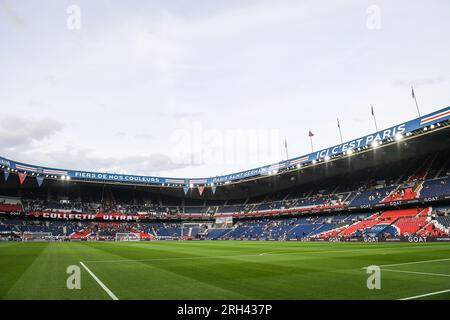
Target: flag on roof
point(22, 177)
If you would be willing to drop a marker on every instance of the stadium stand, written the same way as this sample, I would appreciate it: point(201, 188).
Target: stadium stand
point(389, 199)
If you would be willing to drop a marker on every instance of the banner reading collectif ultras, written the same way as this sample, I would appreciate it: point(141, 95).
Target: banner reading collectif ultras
point(84, 216)
point(404, 128)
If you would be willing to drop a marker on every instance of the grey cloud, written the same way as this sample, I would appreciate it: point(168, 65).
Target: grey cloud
point(136, 164)
point(19, 132)
point(84, 159)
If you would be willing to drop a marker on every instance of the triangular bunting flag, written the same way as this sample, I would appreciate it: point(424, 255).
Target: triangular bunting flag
point(22, 177)
point(6, 175)
point(200, 189)
point(39, 180)
point(185, 189)
point(213, 189)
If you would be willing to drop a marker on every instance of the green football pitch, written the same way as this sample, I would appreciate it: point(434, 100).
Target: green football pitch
point(223, 270)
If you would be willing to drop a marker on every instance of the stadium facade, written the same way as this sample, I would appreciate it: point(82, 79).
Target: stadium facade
point(390, 185)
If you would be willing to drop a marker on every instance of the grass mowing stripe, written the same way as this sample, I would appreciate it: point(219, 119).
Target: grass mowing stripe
point(13, 267)
point(104, 287)
point(426, 295)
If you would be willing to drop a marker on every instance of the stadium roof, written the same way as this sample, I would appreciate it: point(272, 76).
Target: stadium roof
point(412, 138)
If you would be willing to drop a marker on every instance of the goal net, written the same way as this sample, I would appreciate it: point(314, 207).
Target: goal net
point(191, 229)
point(36, 236)
point(128, 236)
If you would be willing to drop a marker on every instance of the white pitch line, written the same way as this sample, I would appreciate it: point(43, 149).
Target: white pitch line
point(426, 295)
point(104, 287)
point(225, 256)
point(414, 262)
point(272, 253)
point(416, 272)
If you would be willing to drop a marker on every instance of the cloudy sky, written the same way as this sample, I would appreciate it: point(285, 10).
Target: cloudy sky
point(199, 88)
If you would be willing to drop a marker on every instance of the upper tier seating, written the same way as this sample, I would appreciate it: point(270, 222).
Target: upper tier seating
point(445, 221)
point(371, 196)
point(433, 188)
point(217, 233)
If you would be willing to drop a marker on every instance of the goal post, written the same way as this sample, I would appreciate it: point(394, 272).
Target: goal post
point(129, 236)
point(189, 229)
point(36, 236)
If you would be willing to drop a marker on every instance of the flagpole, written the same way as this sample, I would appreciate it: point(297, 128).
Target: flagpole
point(415, 99)
point(374, 119)
point(286, 146)
point(310, 134)
point(340, 132)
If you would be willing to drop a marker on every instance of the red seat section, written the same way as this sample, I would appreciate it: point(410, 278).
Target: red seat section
point(410, 225)
point(432, 230)
point(403, 194)
point(394, 214)
point(7, 207)
point(360, 225)
point(408, 194)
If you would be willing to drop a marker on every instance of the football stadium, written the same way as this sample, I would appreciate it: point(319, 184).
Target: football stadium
point(195, 159)
point(310, 227)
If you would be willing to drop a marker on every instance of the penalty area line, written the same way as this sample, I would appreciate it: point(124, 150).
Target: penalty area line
point(271, 253)
point(102, 285)
point(409, 263)
point(416, 272)
point(413, 272)
point(414, 262)
point(426, 295)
